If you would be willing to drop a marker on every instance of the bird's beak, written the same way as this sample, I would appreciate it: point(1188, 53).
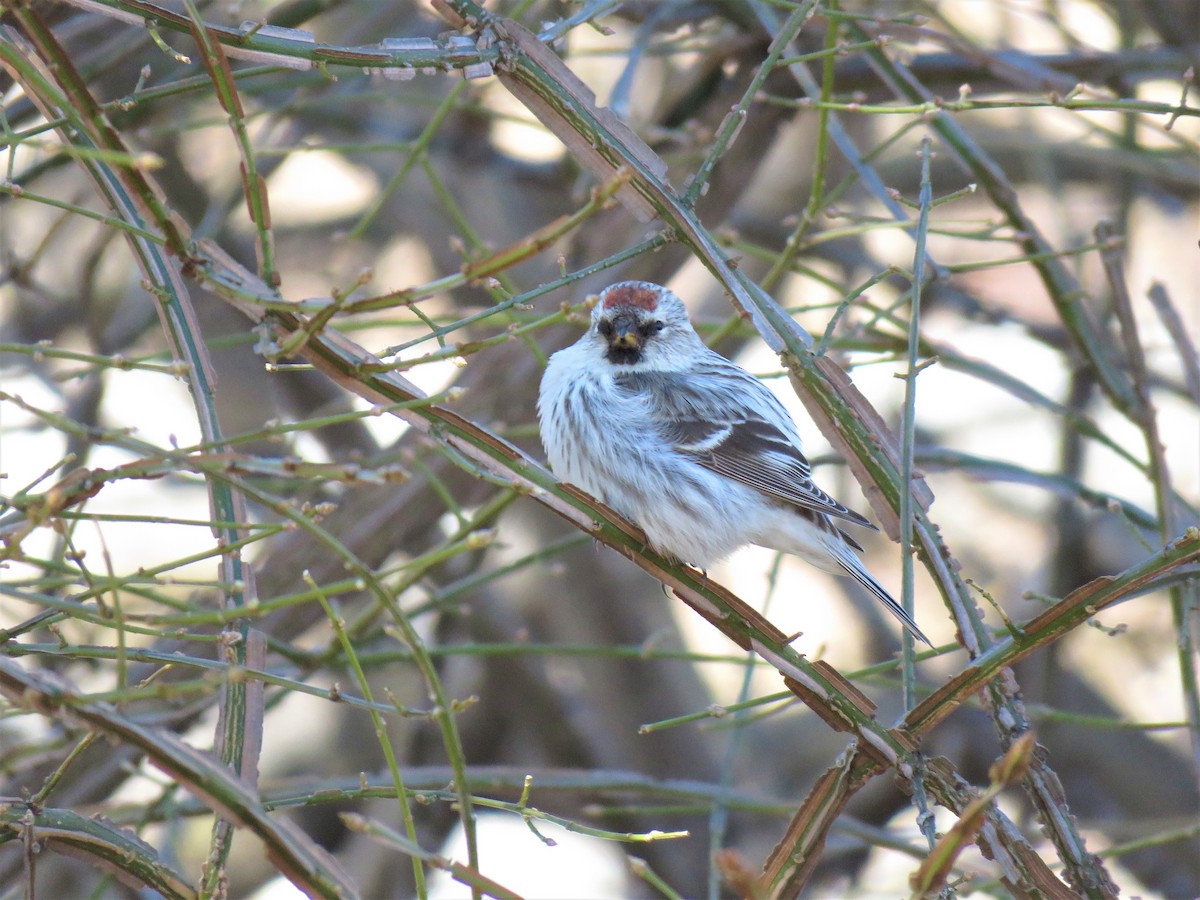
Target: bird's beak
point(625, 334)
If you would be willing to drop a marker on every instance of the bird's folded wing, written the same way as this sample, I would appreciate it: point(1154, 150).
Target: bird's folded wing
point(727, 435)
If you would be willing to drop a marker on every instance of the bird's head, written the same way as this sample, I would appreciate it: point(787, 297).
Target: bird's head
point(643, 325)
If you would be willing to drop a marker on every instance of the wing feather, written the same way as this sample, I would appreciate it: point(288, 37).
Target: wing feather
point(749, 438)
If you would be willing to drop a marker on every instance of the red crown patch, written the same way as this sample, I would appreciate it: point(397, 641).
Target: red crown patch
point(632, 294)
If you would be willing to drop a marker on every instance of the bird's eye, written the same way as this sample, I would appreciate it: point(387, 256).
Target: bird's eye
point(605, 327)
point(649, 329)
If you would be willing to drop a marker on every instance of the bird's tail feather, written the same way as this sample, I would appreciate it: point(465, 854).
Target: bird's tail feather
point(854, 568)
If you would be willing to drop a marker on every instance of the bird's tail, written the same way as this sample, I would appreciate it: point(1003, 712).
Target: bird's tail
point(856, 570)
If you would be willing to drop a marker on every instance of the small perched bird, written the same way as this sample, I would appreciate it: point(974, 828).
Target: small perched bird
point(688, 445)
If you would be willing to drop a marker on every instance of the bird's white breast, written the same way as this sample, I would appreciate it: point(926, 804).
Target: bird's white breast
point(606, 441)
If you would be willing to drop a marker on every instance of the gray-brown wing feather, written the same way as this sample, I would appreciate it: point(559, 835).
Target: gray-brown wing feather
point(727, 435)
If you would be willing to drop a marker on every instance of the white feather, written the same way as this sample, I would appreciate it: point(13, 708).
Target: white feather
point(685, 443)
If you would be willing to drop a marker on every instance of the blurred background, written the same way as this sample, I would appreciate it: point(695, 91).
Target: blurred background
point(567, 651)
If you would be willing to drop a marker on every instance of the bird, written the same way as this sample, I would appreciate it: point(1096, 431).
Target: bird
point(692, 448)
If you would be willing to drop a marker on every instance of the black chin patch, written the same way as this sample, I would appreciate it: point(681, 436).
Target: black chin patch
point(624, 356)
